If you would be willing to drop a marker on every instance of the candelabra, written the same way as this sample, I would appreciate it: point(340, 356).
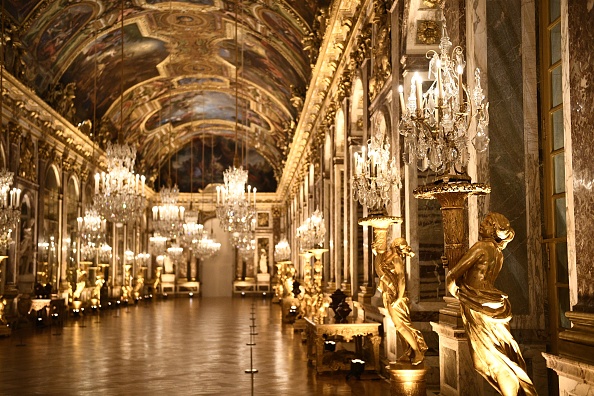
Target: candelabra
point(119, 193)
point(10, 211)
point(236, 210)
point(168, 218)
point(376, 171)
point(436, 124)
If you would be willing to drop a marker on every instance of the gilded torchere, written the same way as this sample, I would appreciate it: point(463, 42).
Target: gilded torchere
point(486, 311)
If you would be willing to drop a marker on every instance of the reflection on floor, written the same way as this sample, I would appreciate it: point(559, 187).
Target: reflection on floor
point(178, 346)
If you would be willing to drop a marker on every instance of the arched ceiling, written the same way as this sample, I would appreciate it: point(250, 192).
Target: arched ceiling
point(179, 71)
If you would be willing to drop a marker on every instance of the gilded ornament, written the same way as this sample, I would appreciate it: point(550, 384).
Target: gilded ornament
point(27, 163)
point(428, 32)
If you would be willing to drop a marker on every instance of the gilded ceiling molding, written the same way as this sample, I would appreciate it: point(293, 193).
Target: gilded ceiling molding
point(338, 40)
point(381, 56)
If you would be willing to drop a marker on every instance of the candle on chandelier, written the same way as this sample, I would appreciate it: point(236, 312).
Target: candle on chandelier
point(18, 199)
point(218, 194)
point(254, 197)
point(460, 70)
point(155, 210)
point(142, 180)
point(97, 176)
point(401, 94)
point(182, 210)
point(419, 91)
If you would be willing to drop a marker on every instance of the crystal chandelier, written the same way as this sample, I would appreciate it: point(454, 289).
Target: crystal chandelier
point(175, 251)
point(246, 245)
point(376, 172)
point(92, 230)
point(168, 218)
point(206, 246)
point(105, 253)
point(10, 211)
point(436, 124)
point(235, 209)
point(311, 233)
point(157, 244)
point(282, 250)
point(119, 193)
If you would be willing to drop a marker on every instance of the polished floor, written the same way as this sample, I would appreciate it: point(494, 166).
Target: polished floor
point(178, 346)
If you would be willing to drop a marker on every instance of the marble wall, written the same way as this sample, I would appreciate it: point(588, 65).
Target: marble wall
point(507, 150)
point(581, 78)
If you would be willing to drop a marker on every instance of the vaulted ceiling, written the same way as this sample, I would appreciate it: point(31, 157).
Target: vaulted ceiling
point(178, 79)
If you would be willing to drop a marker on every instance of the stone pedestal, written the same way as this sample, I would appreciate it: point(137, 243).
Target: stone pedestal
point(575, 377)
point(365, 294)
point(456, 372)
point(407, 380)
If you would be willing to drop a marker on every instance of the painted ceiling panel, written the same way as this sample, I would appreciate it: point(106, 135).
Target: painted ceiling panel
point(185, 50)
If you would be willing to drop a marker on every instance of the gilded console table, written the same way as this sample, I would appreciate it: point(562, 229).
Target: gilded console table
point(361, 333)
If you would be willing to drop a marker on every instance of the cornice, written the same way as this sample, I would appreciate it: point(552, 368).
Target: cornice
point(338, 40)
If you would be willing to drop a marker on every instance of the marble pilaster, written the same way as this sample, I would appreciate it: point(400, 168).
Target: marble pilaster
point(579, 150)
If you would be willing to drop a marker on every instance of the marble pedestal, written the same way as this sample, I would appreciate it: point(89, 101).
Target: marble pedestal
point(457, 376)
point(407, 380)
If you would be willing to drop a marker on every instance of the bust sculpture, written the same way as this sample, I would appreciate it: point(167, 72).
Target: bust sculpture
point(486, 311)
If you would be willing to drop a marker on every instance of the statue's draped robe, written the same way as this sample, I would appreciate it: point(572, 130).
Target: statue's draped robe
point(486, 315)
point(399, 312)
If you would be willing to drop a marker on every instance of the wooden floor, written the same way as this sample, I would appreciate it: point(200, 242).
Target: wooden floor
point(179, 346)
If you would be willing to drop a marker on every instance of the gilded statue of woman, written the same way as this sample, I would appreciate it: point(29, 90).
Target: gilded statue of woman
point(486, 311)
point(389, 266)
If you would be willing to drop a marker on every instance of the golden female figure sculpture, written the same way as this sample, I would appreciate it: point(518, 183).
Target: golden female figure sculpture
point(389, 266)
point(486, 311)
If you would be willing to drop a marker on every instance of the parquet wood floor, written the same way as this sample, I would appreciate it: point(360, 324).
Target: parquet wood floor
point(179, 346)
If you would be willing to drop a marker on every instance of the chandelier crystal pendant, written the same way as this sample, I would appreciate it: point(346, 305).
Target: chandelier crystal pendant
point(376, 172)
point(10, 210)
point(168, 218)
point(437, 124)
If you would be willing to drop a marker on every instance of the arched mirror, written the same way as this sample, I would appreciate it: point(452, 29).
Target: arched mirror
point(70, 241)
point(48, 274)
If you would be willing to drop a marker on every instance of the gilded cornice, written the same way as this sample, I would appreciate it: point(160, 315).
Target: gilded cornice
point(345, 18)
point(35, 115)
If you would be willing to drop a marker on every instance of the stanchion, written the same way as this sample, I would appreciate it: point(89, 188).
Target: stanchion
point(251, 344)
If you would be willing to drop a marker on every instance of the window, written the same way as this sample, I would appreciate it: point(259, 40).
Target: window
point(553, 153)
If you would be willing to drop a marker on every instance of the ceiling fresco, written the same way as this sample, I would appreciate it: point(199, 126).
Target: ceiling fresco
point(180, 63)
point(193, 175)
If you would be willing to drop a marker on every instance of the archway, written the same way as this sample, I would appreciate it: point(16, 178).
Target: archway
point(217, 272)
